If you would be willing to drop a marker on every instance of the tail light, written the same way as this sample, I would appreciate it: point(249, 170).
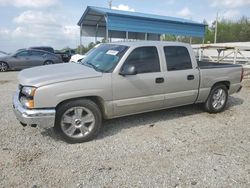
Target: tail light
point(242, 74)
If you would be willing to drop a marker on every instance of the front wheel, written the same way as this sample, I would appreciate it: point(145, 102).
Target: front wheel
point(3, 67)
point(78, 121)
point(217, 99)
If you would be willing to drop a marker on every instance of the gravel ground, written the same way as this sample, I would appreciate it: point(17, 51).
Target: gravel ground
point(181, 147)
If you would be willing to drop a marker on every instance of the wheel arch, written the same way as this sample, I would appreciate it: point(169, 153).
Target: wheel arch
point(226, 83)
point(96, 99)
point(6, 63)
point(48, 60)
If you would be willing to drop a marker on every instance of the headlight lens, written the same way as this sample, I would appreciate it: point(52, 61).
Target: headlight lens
point(28, 103)
point(28, 91)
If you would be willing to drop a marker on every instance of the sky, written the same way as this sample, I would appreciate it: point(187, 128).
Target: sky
point(25, 23)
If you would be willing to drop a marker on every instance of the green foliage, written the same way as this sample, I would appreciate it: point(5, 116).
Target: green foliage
point(85, 49)
point(228, 31)
point(168, 37)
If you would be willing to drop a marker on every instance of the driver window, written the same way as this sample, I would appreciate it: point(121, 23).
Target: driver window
point(145, 59)
point(22, 54)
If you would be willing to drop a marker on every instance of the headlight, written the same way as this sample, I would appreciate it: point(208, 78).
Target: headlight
point(28, 91)
point(27, 96)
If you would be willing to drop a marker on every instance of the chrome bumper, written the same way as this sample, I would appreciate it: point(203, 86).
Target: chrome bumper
point(44, 118)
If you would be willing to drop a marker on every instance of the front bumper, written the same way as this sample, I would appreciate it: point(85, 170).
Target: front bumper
point(44, 118)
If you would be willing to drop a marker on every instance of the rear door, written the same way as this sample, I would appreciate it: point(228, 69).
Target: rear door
point(37, 58)
point(182, 79)
point(143, 91)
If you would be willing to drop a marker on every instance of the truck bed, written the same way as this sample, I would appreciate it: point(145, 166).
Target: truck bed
point(211, 65)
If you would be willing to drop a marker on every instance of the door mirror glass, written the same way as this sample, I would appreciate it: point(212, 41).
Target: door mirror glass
point(128, 70)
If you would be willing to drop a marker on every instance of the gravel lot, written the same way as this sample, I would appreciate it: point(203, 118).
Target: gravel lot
point(181, 147)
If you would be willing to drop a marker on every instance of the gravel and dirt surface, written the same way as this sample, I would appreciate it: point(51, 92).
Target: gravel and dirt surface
point(180, 147)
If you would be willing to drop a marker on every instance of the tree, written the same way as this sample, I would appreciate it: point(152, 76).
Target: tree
point(228, 31)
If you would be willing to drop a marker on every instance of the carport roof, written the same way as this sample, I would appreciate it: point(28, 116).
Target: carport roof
point(117, 20)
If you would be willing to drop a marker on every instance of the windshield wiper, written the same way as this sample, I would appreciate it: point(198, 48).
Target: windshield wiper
point(93, 66)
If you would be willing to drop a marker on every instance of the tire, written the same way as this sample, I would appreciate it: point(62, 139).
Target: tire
point(217, 99)
point(78, 121)
point(4, 67)
point(48, 62)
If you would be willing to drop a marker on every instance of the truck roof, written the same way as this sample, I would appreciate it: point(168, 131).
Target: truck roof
point(148, 43)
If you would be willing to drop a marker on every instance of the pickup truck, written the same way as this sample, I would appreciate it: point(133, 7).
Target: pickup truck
point(120, 79)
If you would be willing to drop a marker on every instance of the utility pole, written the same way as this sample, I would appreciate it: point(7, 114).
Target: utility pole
point(110, 4)
point(216, 28)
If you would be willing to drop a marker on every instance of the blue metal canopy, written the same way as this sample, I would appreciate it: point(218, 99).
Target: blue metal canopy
point(103, 22)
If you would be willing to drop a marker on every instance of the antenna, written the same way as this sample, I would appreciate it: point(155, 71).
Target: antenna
point(110, 3)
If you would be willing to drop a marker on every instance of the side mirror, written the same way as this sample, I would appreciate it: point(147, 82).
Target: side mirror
point(128, 70)
point(15, 56)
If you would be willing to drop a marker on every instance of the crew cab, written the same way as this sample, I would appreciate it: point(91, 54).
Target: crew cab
point(120, 79)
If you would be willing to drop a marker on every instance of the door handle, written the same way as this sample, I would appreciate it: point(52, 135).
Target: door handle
point(190, 77)
point(159, 80)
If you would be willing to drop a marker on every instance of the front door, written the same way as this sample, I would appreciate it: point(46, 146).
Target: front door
point(143, 91)
point(22, 59)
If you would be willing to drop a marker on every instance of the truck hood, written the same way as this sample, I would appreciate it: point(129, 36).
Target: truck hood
point(45, 75)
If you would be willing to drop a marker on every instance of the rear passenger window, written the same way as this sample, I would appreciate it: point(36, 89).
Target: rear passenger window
point(37, 53)
point(145, 59)
point(177, 58)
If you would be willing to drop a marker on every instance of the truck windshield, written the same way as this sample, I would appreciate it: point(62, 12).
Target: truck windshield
point(105, 57)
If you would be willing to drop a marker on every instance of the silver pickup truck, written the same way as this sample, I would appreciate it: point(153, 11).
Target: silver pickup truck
point(120, 79)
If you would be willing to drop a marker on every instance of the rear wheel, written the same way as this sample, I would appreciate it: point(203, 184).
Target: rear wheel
point(48, 62)
point(3, 67)
point(78, 121)
point(217, 99)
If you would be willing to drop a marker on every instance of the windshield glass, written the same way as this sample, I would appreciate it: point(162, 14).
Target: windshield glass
point(105, 57)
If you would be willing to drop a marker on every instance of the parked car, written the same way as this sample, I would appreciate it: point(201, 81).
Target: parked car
point(77, 58)
point(120, 79)
point(3, 53)
point(27, 58)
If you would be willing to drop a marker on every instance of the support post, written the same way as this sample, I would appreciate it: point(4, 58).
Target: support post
point(216, 28)
point(107, 35)
point(96, 31)
point(81, 39)
point(107, 29)
point(146, 36)
point(235, 54)
point(126, 35)
point(200, 54)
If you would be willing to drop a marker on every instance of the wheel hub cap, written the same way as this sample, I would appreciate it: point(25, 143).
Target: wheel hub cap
point(3, 67)
point(219, 98)
point(77, 122)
